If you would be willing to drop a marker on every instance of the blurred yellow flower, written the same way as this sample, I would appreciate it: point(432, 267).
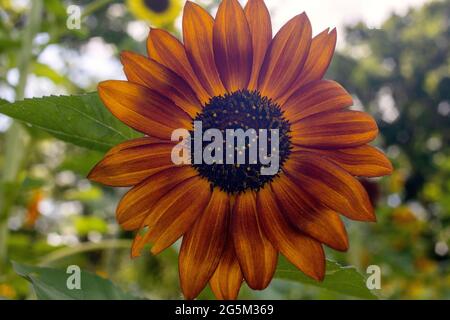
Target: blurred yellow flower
point(158, 13)
point(7, 291)
point(425, 265)
point(5, 4)
point(33, 208)
point(397, 181)
point(403, 215)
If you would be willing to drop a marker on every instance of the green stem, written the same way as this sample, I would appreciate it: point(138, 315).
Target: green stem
point(17, 139)
point(110, 257)
point(32, 28)
point(84, 247)
point(94, 6)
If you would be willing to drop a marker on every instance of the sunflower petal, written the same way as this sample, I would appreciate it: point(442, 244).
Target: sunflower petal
point(168, 51)
point(143, 109)
point(363, 161)
point(335, 130)
point(302, 251)
point(203, 245)
point(317, 63)
point(132, 161)
point(198, 40)
point(331, 185)
point(285, 57)
point(258, 18)
point(138, 202)
point(309, 216)
point(257, 257)
point(170, 204)
point(232, 46)
point(317, 97)
point(175, 213)
point(227, 279)
point(157, 77)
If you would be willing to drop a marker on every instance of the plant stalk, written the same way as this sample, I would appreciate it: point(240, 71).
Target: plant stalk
point(85, 247)
point(16, 138)
point(94, 6)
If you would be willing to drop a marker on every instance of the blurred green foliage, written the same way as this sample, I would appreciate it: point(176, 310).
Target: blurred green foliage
point(400, 73)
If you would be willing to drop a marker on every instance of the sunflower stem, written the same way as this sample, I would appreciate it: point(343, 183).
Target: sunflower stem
point(17, 139)
point(93, 7)
point(85, 247)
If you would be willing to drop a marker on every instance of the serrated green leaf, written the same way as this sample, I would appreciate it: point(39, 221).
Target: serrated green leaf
point(343, 280)
point(82, 120)
point(51, 284)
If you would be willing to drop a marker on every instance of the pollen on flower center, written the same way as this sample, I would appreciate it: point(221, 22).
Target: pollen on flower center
point(157, 5)
point(246, 110)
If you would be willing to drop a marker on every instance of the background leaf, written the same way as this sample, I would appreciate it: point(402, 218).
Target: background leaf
point(339, 279)
point(44, 70)
point(82, 120)
point(50, 284)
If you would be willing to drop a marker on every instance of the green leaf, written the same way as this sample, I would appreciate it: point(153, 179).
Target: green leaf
point(30, 183)
point(80, 161)
point(3, 101)
point(51, 284)
point(82, 120)
point(343, 280)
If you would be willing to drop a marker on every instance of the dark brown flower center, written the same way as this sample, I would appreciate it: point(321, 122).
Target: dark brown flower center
point(157, 6)
point(245, 110)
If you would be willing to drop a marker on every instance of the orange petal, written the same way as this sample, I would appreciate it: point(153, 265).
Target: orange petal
point(317, 97)
point(132, 161)
point(198, 41)
point(175, 213)
point(342, 129)
point(137, 203)
point(317, 63)
point(168, 51)
point(363, 161)
point(227, 279)
point(285, 57)
point(203, 245)
point(258, 18)
point(331, 185)
point(257, 257)
point(309, 215)
point(302, 251)
point(143, 109)
point(232, 46)
point(157, 77)
point(172, 204)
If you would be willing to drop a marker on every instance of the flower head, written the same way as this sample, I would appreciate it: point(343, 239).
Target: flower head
point(230, 73)
point(157, 12)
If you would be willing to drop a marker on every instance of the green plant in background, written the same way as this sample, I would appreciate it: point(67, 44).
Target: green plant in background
point(16, 139)
point(399, 73)
point(404, 80)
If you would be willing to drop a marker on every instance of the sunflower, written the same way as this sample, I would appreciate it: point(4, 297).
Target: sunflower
point(234, 222)
point(157, 12)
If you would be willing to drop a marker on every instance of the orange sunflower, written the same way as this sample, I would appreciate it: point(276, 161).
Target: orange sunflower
point(231, 73)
